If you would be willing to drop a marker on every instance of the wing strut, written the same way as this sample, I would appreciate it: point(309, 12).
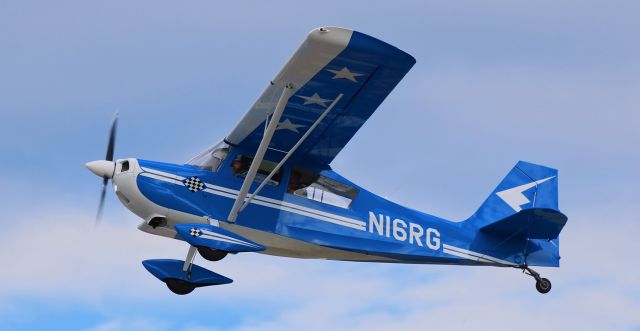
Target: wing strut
point(188, 262)
point(264, 144)
point(293, 149)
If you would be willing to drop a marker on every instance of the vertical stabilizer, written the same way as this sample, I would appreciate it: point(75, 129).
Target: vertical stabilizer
point(527, 186)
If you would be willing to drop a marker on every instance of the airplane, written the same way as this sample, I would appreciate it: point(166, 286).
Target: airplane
point(268, 186)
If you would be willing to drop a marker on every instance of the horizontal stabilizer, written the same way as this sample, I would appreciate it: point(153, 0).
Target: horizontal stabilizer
point(166, 269)
point(534, 223)
point(204, 235)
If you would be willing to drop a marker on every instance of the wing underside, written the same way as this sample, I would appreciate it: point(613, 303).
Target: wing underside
point(330, 62)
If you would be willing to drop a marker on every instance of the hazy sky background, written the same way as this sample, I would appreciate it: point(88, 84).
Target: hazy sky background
point(550, 82)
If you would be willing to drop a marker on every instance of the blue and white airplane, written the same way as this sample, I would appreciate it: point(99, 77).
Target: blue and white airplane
point(268, 187)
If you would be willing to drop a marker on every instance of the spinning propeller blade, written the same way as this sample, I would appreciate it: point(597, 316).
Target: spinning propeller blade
point(112, 139)
point(102, 197)
point(105, 168)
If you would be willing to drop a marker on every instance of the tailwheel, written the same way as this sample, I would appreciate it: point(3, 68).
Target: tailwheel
point(543, 285)
point(211, 254)
point(178, 286)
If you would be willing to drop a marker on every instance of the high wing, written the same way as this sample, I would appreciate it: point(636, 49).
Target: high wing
point(329, 63)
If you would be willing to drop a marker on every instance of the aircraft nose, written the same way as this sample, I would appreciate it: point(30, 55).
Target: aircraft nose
point(102, 168)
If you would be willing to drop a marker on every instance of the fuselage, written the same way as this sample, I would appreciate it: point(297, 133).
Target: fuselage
point(313, 224)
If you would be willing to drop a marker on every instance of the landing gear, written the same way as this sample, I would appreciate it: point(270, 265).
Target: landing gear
point(543, 285)
point(179, 286)
point(182, 277)
point(211, 254)
point(183, 280)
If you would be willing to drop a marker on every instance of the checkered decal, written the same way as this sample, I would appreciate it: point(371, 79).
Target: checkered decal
point(195, 232)
point(194, 184)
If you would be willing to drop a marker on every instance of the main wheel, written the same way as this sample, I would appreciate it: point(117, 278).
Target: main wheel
point(179, 287)
point(211, 254)
point(543, 285)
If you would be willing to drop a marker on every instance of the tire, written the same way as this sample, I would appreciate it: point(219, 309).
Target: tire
point(211, 254)
point(179, 287)
point(543, 285)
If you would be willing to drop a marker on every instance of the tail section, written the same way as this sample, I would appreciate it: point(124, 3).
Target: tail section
point(520, 218)
point(527, 186)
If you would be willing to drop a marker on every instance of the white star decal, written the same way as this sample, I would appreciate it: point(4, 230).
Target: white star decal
point(345, 73)
point(288, 125)
point(314, 99)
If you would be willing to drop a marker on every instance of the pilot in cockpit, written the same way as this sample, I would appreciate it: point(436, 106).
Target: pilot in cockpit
point(236, 166)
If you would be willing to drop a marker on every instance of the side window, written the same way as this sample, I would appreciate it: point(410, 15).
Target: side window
point(310, 185)
point(240, 167)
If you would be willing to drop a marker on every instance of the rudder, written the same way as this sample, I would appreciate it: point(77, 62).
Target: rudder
point(526, 186)
point(520, 220)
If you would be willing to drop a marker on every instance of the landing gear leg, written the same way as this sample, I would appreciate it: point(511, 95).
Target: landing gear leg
point(543, 285)
point(191, 254)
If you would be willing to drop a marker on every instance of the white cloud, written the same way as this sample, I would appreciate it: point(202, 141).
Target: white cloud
point(596, 289)
point(60, 254)
point(61, 258)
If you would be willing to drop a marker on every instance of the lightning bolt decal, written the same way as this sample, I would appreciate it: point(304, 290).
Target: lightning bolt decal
point(514, 197)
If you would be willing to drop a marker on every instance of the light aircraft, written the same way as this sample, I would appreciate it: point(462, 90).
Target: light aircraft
point(268, 186)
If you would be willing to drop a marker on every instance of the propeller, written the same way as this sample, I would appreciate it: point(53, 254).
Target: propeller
point(105, 168)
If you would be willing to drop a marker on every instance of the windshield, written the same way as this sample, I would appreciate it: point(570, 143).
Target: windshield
point(211, 158)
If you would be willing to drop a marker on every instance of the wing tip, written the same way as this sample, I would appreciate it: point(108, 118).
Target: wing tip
point(331, 34)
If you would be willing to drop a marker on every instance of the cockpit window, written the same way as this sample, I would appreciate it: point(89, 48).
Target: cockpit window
point(310, 185)
point(211, 158)
point(240, 166)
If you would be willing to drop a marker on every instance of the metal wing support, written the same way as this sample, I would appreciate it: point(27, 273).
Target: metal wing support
point(291, 151)
point(262, 148)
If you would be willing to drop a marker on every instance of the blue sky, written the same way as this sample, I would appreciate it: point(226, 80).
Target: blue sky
point(549, 82)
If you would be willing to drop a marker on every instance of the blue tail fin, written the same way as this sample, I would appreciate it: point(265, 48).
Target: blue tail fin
point(527, 186)
point(520, 219)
